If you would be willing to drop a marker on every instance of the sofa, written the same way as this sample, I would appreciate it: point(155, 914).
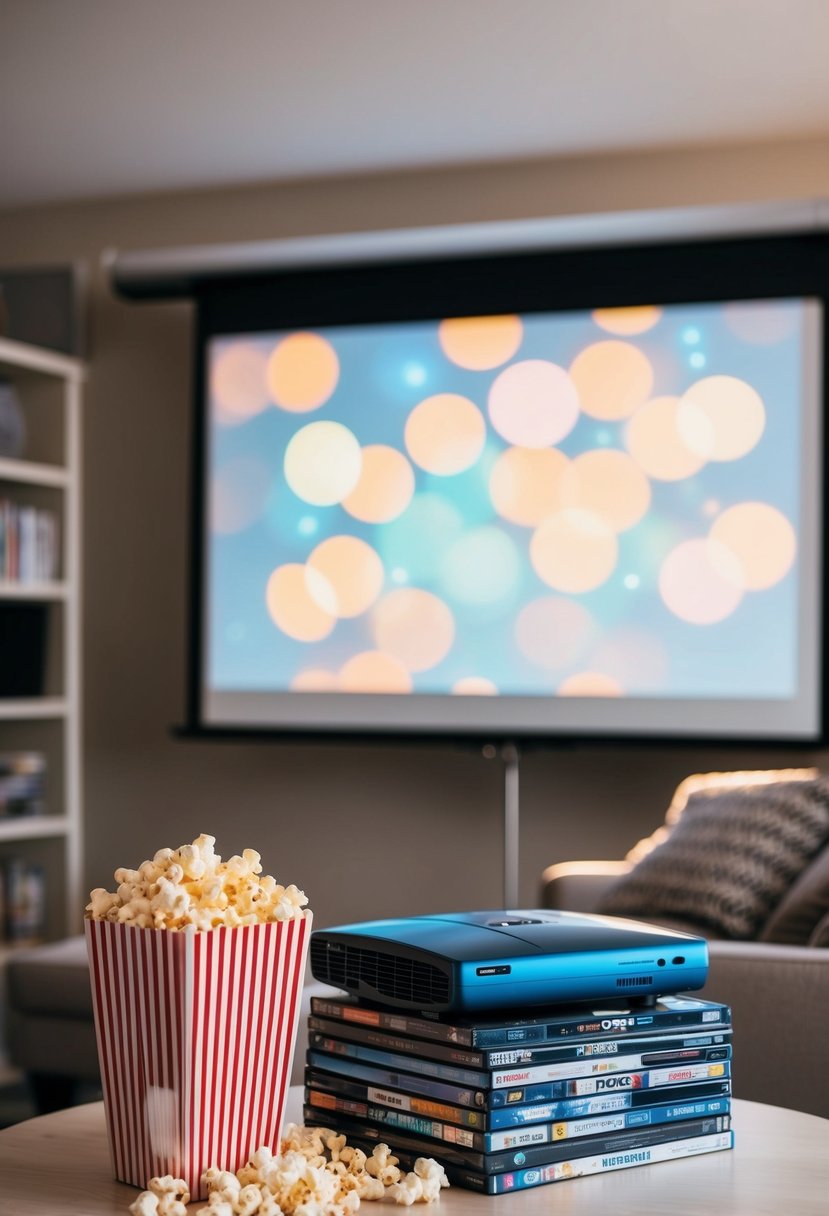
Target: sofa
point(766, 916)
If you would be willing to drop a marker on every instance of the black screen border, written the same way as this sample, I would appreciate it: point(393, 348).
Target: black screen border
point(682, 272)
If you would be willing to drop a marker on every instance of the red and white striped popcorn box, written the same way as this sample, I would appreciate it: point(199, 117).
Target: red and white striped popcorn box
point(196, 1035)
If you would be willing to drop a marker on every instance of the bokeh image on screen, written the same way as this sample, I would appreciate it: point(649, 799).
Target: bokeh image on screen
point(555, 520)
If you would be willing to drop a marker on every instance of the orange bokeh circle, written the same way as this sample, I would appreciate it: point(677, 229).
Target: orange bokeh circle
point(574, 551)
point(415, 627)
point(479, 343)
point(302, 372)
point(295, 597)
point(445, 434)
point(613, 378)
point(525, 484)
point(373, 671)
point(385, 488)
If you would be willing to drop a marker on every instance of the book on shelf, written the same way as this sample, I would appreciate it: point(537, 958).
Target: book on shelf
point(21, 784)
point(22, 902)
point(28, 543)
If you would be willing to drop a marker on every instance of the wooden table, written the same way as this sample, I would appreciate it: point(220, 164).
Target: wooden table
point(59, 1165)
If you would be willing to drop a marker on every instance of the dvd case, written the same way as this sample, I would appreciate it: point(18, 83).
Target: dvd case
point(514, 1137)
point(525, 1074)
point(499, 1057)
point(327, 1087)
point(513, 1027)
point(361, 1131)
point(549, 1091)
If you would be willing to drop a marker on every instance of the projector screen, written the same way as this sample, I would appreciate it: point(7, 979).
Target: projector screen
point(572, 522)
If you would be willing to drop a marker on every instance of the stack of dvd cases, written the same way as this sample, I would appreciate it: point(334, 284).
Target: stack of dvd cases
point(515, 1102)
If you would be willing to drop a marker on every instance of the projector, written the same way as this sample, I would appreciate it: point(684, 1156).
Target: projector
point(471, 961)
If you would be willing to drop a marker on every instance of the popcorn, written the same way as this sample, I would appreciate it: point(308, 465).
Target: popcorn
point(168, 1185)
point(191, 888)
point(145, 1205)
point(316, 1173)
point(408, 1191)
point(382, 1165)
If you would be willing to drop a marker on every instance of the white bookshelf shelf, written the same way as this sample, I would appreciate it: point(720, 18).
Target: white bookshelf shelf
point(33, 708)
point(33, 591)
point(17, 356)
point(30, 472)
point(31, 827)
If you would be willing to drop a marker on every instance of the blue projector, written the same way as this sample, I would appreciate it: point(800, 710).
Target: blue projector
point(470, 961)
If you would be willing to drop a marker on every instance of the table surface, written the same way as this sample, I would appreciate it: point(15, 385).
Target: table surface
point(58, 1165)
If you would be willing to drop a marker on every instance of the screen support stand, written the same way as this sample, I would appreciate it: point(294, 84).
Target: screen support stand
point(510, 756)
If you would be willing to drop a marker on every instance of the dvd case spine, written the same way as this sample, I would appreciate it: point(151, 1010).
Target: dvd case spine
point(592, 1066)
point(598, 1164)
point(391, 1059)
point(530, 1056)
point(515, 1137)
point(670, 1013)
point(602, 1104)
point(529, 1075)
point(327, 1087)
point(361, 1132)
point(549, 1091)
point(560, 1070)
point(410, 1082)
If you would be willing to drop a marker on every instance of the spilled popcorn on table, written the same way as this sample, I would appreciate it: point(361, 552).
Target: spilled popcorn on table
point(316, 1173)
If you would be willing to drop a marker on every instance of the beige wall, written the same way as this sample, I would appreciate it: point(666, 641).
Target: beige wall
point(368, 831)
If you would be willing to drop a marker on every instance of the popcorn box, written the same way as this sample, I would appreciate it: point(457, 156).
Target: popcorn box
point(196, 1035)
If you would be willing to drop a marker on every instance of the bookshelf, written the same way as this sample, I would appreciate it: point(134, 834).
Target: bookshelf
point(45, 718)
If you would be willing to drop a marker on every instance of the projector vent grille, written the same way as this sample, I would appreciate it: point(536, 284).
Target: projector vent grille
point(634, 981)
point(371, 971)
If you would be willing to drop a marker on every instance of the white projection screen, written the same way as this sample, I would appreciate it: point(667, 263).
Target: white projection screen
point(534, 516)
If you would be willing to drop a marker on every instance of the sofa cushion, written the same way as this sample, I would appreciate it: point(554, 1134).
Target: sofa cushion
point(806, 903)
point(729, 859)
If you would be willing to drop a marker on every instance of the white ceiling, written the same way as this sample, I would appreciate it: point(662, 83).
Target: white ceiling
point(103, 97)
